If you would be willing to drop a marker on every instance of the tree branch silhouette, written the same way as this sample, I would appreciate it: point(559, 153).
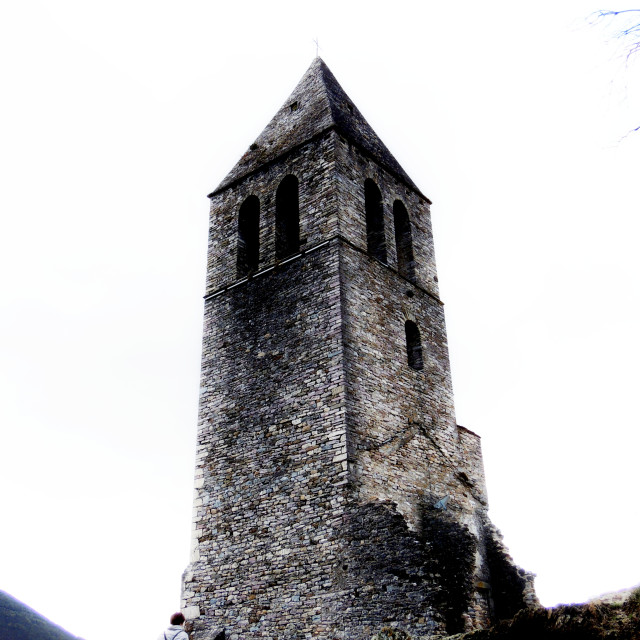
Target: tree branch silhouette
point(626, 23)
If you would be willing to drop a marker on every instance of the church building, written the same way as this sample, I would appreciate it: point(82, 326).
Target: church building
point(334, 492)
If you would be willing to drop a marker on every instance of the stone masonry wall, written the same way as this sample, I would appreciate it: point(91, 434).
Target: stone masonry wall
point(404, 445)
point(353, 166)
point(271, 469)
point(402, 433)
point(402, 429)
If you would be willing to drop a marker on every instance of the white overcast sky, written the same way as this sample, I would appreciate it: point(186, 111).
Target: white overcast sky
point(116, 120)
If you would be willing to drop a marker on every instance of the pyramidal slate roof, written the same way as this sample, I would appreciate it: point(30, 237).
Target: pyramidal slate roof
point(316, 105)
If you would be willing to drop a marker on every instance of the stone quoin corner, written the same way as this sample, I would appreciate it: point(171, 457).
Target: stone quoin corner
point(335, 493)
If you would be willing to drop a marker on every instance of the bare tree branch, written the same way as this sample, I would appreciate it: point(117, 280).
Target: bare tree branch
point(630, 31)
point(627, 31)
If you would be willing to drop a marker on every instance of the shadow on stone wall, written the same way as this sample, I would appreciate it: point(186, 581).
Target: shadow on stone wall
point(511, 587)
point(424, 582)
point(451, 550)
point(386, 577)
point(394, 576)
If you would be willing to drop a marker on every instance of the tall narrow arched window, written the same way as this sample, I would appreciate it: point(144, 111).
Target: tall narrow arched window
point(248, 236)
point(287, 218)
point(404, 244)
point(414, 345)
point(376, 246)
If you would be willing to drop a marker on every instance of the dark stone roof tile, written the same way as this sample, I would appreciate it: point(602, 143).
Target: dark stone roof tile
point(317, 104)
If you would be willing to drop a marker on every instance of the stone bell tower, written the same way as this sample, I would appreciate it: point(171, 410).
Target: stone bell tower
point(335, 493)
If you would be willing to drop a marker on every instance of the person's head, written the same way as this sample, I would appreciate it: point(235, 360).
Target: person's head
point(177, 618)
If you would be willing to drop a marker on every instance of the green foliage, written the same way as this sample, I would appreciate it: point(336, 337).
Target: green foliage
point(632, 603)
point(631, 609)
point(19, 622)
point(388, 633)
point(591, 621)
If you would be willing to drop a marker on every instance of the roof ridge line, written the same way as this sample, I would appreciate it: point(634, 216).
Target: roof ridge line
point(317, 103)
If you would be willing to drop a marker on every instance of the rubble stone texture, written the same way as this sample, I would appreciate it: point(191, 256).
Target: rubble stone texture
point(335, 494)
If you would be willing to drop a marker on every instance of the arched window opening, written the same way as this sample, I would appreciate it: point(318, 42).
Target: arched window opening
point(376, 246)
point(248, 236)
point(414, 345)
point(287, 218)
point(404, 244)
